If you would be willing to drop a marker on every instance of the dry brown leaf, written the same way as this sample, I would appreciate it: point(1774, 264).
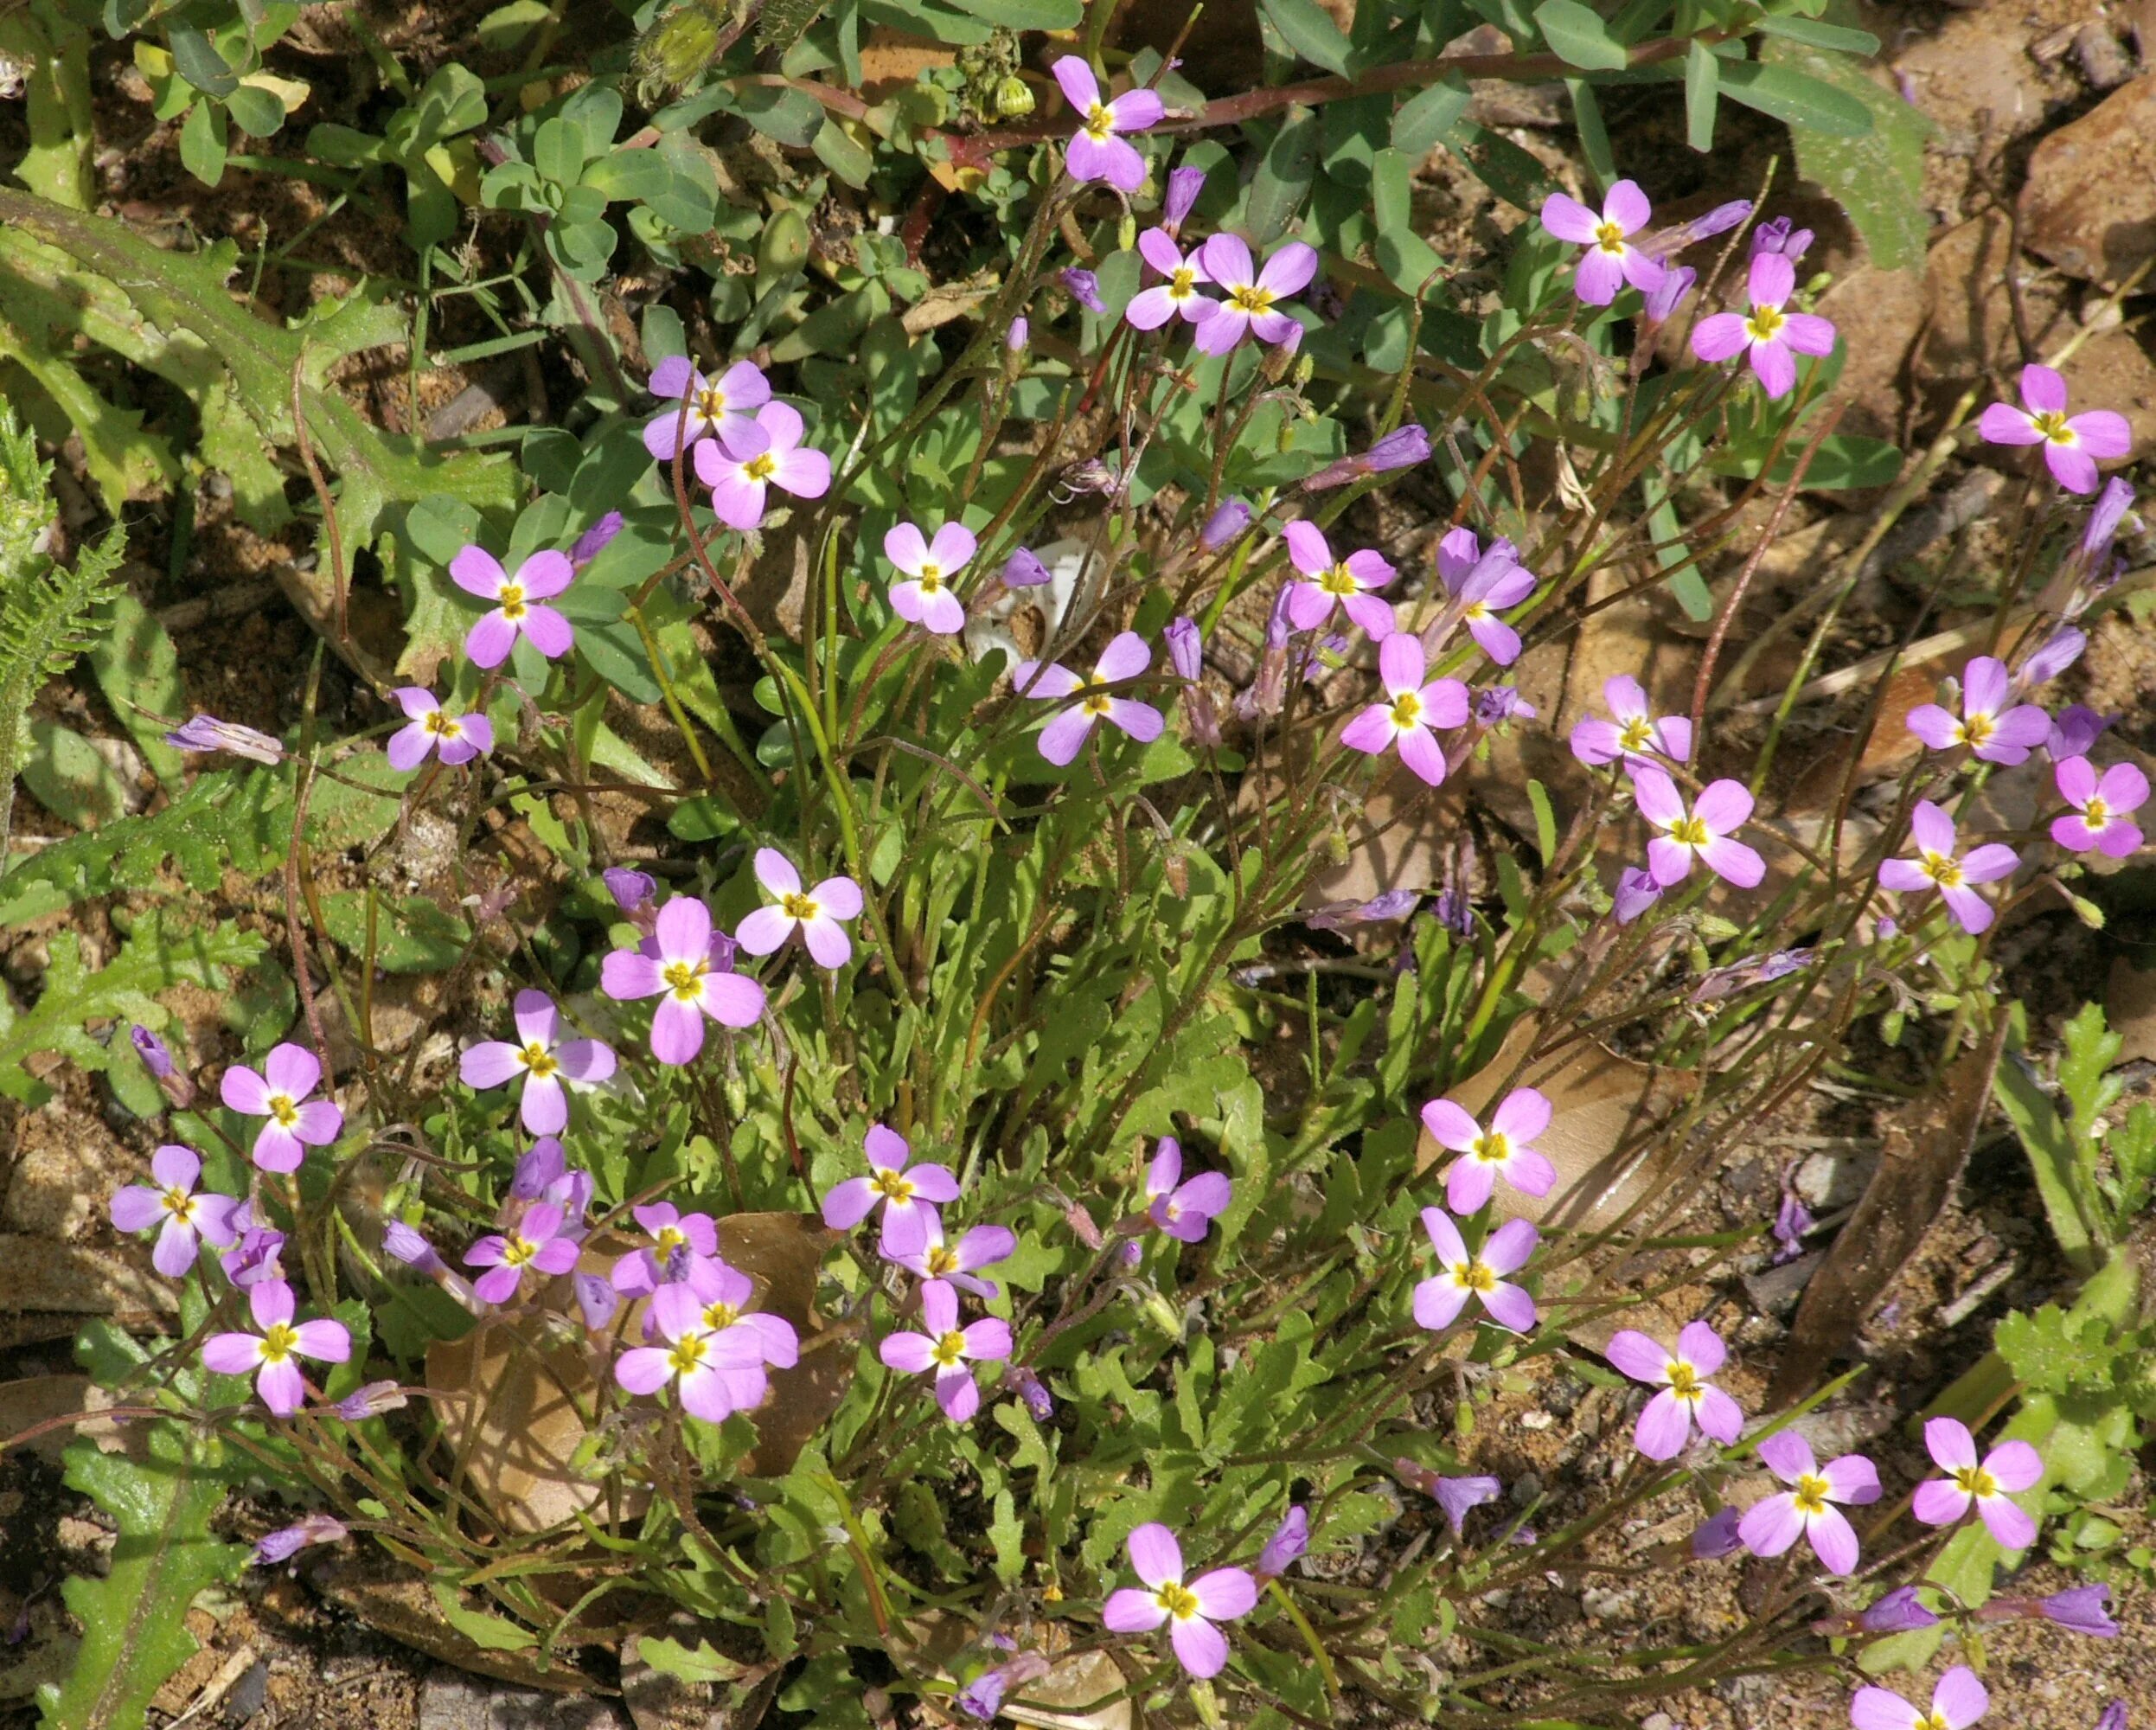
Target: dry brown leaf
point(54, 1285)
point(41, 1399)
point(2129, 1009)
point(1052, 1701)
point(390, 1599)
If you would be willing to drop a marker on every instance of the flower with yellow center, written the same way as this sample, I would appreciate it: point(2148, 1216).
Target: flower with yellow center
point(1610, 238)
point(2052, 424)
point(442, 725)
point(511, 601)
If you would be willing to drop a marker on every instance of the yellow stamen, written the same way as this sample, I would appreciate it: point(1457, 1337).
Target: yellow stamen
point(278, 1345)
point(180, 1205)
point(1340, 580)
point(538, 1060)
point(283, 1109)
point(1252, 299)
point(795, 905)
point(443, 725)
point(1097, 704)
point(1474, 1276)
point(512, 599)
point(688, 1354)
point(2052, 424)
point(893, 1186)
point(1178, 1600)
point(760, 467)
point(950, 1349)
point(1493, 1149)
point(1764, 323)
point(1609, 237)
point(1811, 1494)
point(1976, 1481)
point(1099, 123)
point(1689, 831)
point(1407, 710)
point(1683, 1381)
point(686, 979)
point(1943, 871)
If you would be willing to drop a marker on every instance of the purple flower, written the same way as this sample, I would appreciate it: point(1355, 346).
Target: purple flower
point(700, 1364)
point(982, 1247)
point(1186, 647)
point(2111, 506)
point(1225, 524)
point(538, 1240)
point(749, 1341)
point(157, 1056)
point(678, 1242)
point(206, 733)
point(1457, 1497)
point(280, 1092)
point(1412, 706)
point(1393, 904)
point(1716, 1536)
point(1285, 1548)
point(268, 1355)
point(906, 1193)
point(372, 1400)
point(1483, 585)
point(288, 1542)
point(1663, 301)
point(1328, 581)
point(1252, 306)
point(1779, 235)
point(922, 595)
point(816, 912)
point(1792, 1219)
point(184, 1217)
point(2077, 728)
point(1031, 1389)
point(2071, 447)
point(689, 967)
point(1023, 570)
point(1992, 731)
point(634, 893)
point(1183, 1210)
point(519, 608)
point(1705, 831)
point(2112, 1716)
point(1502, 1150)
point(1494, 705)
point(1015, 338)
point(1774, 338)
point(1084, 288)
point(596, 1300)
point(1184, 184)
point(1666, 243)
point(947, 1349)
point(1665, 1426)
point(1806, 1508)
point(1461, 1275)
point(1632, 732)
point(1936, 867)
point(403, 1243)
point(1176, 296)
point(2007, 1470)
point(543, 1058)
point(1637, 891)
point(1609, 262)
point(1898, 1613)
point(2103, 808)
point(428, 724)
point(1957, 1702)
point(595, 540)
point(983, 1697)
point(1191, 1611)
point(257, 1253)
point(743, 463)
point(2052, 656)
point(1402, 448)
point(1096, 150)
point(1125, 657)
point(2081, 1609)
point(727, 403)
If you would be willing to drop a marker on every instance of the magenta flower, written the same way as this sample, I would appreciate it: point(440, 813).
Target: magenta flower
point(1632, 732)
point(1807, 1510)
point(1898, 1611)
point(689, 967)
point(1221, 1595)
point(1097, 151)
point(544, 1059)
point(268, 1355)
point(1636, 891)
point(1936, 867)
point(1608, 262)
point(2103, 808)
point(2007, 1470)
point(1346, 582)
point(817, 911)
point(1705, 830)
point(186, 1217)
point(744, 462)
point(1484, 585)
point(924, 596)
point(518, 604)
point(1957, 1702)
point(538, 1240)
point(983, 1246)
point(280, 1092)
point(904, 1191)
point(1252, 306)
point(1666, 1425)
point(1183, 1210)
point(1988, 727)
point(1176, 297)
point(702, 1364)
point(948, 1348)
point(679, 1242)
point(1460, 1275)
point(2071, 447)
point(257, 1253)
point(1774, 338)
point(1502, 1150)
point(460, 737)
point(1401, 448)
point(717, 405)
point(1125, 657)
point(1411, 710)
point(725, 1292)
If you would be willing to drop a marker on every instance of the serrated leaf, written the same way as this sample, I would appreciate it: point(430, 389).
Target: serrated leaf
point(1578, 35)
point(1879, 177)
point(702, 1663)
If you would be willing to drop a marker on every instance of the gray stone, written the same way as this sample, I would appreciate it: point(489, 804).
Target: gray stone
point(453, 1700)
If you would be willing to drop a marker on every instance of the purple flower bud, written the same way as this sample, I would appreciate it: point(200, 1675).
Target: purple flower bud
point(2113, 1716)
point(371, 1400)
point(1792, 1219)
point(593, 541)
point(282, 1545)
point(1781, 236)
point(2112, 505)
point(630, 889)
point(1031, 1389)
point(157, 1058)
point(1668, 295)
point(2052, 657)
point(1716, 1536)
point(1393, 904)
point(1186, 647)
point(1285, 1548)
point(596, 1297)
point(1184, 184)
point(1887, 928)
point(1130, 1253)
point(983, 1697)
point(256, 1257)
point(1224, 525)
point(2075, 729)
point(206, 733)
point(1015, 338)
point(1457, 1496)
point(1084, 288)
point(1023, 570)
point(537, 1167)
point(1666, 243)
point(1898, 1613)
point(1455, 911)
point(400, 1241)
point(1402, 448)
point(2081, 1609)
point(1636, 892)
point(1497, 704)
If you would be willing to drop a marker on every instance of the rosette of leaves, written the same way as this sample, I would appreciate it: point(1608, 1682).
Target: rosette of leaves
point(427, 139)
point(213, 74)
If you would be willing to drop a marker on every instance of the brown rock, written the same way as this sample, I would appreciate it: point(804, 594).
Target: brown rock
point(2115, 370)
point(1971, 328)
point(2089, 204)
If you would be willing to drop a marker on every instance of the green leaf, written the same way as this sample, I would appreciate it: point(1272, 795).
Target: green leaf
point(1283, 178)
point(1578, 35)
point(1545, 820)
point(137, 668)
point(196, 61)
point(1878, 178)
point(1795, 98)
point(701, 1662)
point(1422, 122)
point(255, 111)
point(56, 54)
point(71, 778)
point(1702, 86)
point(202, 143)
point(2051, 1158)
point(558, 150)
point(836, 148)
point(630, 177)
point(482, 1628)
point(792, 116)
point(1307, 30)
point(1814, 34)
point(1026, 14)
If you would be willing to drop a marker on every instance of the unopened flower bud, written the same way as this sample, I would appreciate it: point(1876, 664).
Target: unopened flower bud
point(1126, 233)
point(594, 540)
point(1716, 1536)
point(1186, 647)
point(206, 733)
point(404, 1244)
point(1023, 570)
point(1285, 1548)
point(1031, 1389)
point(1497, 704)
point(1084, 288)
point(2052, 657)
point(596, 1297)
point(1636, 892)
point(1781, 235)
point(1184, 184)
point(1898, 1613)
point(1224, 525)
point(1082, 1226)
point(1015, 338)
point(372, 1400)
point(1666, 297)
point(1014, 97)
point(156, 1057)
point(288, 1542)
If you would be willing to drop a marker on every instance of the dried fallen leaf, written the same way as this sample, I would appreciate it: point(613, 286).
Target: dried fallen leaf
point(1056, 1702)
point(388, 1597)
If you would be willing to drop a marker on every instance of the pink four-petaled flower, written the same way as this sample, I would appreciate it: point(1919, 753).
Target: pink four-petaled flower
point(1610, 261)
point(187, 1217)
point(1806, 1508)
point(1252, 305)
point(542, 1240)
point(1936, 867)
point(280, 1092)
point(702, 1365)
point(1957, 1702)
point(983, 1246)
point(429, 726)
point(1666, 1424)
point(1182, 1210)
point(725, 1292)
point(1097, 151)
point(1631, 731)
point(744, 462)
point(2101, 821)
point(1412, 706)
point(1992, 725)
point(2007, 1470)
point(715, 406)
point(1461, 1275)
point(544, 1059)
point(908, 1194)
point(2071, 446)
point(268, 1355)
point(815, 912)
point(519, 608)
point(1344, 582)
point(922, 595)
point(1125, 657)
point(1774, 336)
point(1503, 1150)
point(1175, 297)
point(1705, 830)
point(948, 1349)
point(689, 967)
point(678, 1242)
point(1483, 585)
point(1190, 1612)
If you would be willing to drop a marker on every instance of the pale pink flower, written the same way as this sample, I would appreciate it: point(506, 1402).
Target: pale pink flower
point(1344, 582)
point(1412, 706)
point(2101, 821)
point(983, 1246)
point(1125, 657)
point(716, 405)
point(1807, 1510)
point(1503, 1150)
point(744, 462)
point(1252, 305)
point(2007, 1470)
point(280, 1092)
point(1610, 260)
point(1936, 867)
point(727, 1294)
point(924, 596)
point(689, 968)
point(1484, 585)
point(1461, 1275)
point(186, 1218)
point(1992, 725)
point(906, 1193)
point(1957, 1702)
point(815, 912)
point(2071, 446)
point(1222, 1595)
point(519, 609)
point(948, 1349)
point(1705, 830)
point(1666, 1425)
point(268, 1355)
point(429, 725)
point(1775, 337)
point(679, 1242)
point(1631, 731)
point(702, 1364)
point(1177, 295)
point(542, 1239)
point(542, 1058)
point(1097, 150)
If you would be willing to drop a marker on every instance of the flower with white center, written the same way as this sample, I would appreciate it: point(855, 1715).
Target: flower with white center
point(1190, 1612)
point(1097, 151)
point(1936, 867)
point(1705, 831)
point(2071, 447)
point(1774, 335)
point(1957, 1702)
point(1411, 707)
point(1806, 1508)
point(700, 1363)
point(1993, 727)
point(906, 1193)
point(817, 911)
point(1666, 1425)
point(1985, 1484)
point(689, 968)
point(1501, 1150)
point(542, 1058)
point(185, 1217)
point(1631, 731)
point(1182, 1210)
point(924, 596)
point(983, 1246)
point(1176, 296)
point(715, 405)
point(542, 1240)
point(948, 1349)
point(1479, 1275)
point(279, 1092)
point(1331, 582)
point(1610, 261)
point(744, 462)
point(1253, 300)
point(430, 727)
point(679, 1243)
point(269, 1355)
point(519, 604)
point(1126, 657)
point(2102, 818)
